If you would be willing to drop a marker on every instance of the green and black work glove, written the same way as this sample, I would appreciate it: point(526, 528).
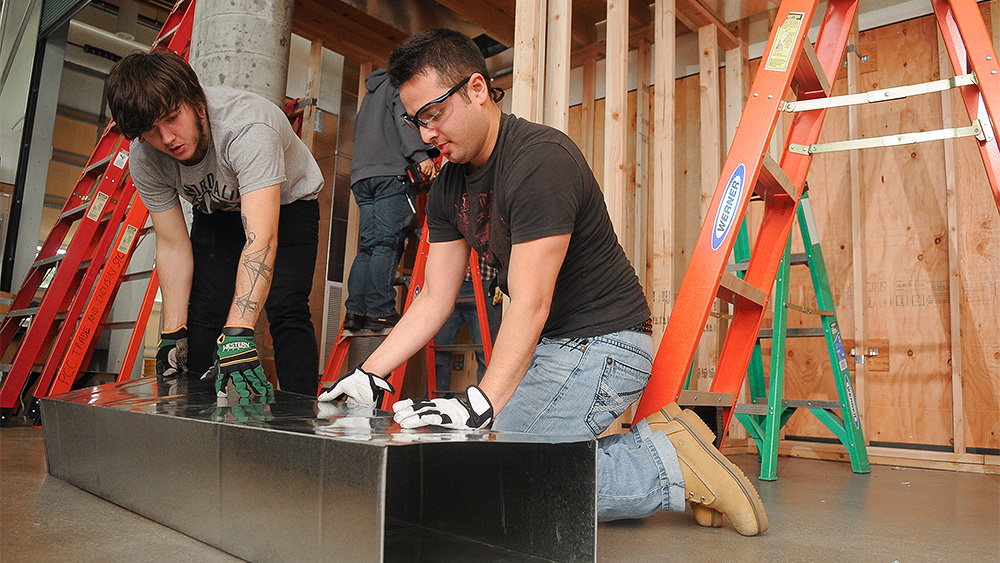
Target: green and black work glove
point(172, 353)
point(237, 360)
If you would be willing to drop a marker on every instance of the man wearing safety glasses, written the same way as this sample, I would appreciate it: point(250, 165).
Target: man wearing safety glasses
point(574, 348)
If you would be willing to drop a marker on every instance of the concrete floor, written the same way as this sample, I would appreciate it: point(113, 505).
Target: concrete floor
point(819, 511)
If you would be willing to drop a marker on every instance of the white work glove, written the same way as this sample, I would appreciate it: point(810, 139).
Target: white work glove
point(450, 413)
point(361, 389)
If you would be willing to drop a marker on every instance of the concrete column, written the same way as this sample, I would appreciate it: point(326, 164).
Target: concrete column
point(243, 44)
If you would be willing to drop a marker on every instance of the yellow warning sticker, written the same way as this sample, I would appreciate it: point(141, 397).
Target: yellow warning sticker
point(127, 238)
point(97, 207)
point(784, 39)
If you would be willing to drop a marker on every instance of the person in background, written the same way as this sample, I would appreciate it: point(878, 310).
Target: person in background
point(383, 149)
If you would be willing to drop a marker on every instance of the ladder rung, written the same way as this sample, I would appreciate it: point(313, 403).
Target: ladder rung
point(747, 408)
point(74, 213)
point(118, 325)
point(54, 259)
point(21, 313)
point(795, 332)
point(456, 347)
point(803, 403)
point(689, 398)
point(137, 276)
point(797, 259)
point(809, 74)
point(772, 179)
point(103, 163)
point(730, 286)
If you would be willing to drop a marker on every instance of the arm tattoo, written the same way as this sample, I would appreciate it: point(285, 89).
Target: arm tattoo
point(257, 269)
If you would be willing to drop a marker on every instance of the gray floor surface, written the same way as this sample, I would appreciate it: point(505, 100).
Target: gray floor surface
point(819, 511)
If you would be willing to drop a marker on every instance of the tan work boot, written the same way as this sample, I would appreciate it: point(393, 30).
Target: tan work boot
point(710, 479)
point(703, 515)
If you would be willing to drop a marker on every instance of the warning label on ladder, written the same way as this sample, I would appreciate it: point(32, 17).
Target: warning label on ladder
point(784, 40)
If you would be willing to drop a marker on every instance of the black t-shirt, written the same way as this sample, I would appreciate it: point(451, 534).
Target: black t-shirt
point(537, 184)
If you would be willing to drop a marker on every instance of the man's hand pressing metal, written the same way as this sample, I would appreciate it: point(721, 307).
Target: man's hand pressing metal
point(360, 388)
point(237, 361)
point(450, 413)
point(172, 352)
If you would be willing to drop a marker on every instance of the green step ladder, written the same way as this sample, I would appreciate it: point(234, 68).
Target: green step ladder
point(769, 410)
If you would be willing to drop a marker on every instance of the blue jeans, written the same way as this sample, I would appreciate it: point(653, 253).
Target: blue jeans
point(465, 313)
point(385, 212)
point(578, 387)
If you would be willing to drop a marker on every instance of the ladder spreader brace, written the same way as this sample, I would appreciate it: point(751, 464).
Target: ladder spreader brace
point(790, 58)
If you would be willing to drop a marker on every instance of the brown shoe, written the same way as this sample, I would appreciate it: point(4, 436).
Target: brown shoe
point(703, 515)
point(710, 479)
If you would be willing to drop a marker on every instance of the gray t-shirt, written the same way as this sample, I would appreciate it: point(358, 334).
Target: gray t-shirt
point(252, 147)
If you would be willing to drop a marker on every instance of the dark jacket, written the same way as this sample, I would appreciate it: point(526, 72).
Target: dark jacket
point(383, 144)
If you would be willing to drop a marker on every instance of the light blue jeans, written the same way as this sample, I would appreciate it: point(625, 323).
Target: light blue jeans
point(579, 386)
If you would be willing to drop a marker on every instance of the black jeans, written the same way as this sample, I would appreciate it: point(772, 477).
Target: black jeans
point(217, 241)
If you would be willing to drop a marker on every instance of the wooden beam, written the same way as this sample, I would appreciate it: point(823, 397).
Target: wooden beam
point(529, 39)
point(615, 111)
point(317, 295)
point(701, 16)
point(639, 13)
point(711, 164)
point(495, 22)
point(353, 213)
point(346, 30)
point(858, 219)
point(660, 290)
point(643, 62)
point(589, 92)
point(597, 49)
point(558, 43)
point(954, 256)
point(737, 79)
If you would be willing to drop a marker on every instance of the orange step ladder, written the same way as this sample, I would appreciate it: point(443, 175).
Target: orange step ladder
point(97, 208)
point(791, 61)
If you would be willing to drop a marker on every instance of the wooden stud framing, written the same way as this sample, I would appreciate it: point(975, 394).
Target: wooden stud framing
point(615, 111)
point(587, 108)
point(954, 255)
point(353, 213)
point(317, 296)
point(711, 164)
point(529, 37)
point(558, 43)
point(642, 199)
point(858, 213)
point(313, 75)
point(660, 263)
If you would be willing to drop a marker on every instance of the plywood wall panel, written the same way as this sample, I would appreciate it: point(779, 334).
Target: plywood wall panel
point(907, 257)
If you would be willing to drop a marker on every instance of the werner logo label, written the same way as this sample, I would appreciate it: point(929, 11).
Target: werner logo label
point(726, 215)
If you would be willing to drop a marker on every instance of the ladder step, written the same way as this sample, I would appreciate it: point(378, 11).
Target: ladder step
point(795, 332)
point(457, 347)
point(798, 259)
point(730, 286)
point(118, 325)
point(145, 275)
point(809, 76)
point(74, 213)
point(773, 180)
point(689, 398)
point(761, 408)
point(100, 164)
point(54, 259)
point(20, 313)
